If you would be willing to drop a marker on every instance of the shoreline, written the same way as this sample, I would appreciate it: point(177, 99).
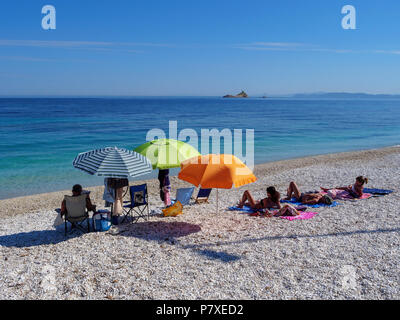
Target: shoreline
point(52, 200)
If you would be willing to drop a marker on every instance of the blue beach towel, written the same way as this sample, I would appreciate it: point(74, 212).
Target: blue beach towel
point(319, 205)
point(377, 192)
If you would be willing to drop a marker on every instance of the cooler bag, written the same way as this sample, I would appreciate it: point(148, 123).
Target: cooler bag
point(101, 221)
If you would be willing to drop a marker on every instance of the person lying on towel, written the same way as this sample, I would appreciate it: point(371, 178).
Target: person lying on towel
point(348, 192)
point(307, 197)
point(287, 210)
point(270, 202)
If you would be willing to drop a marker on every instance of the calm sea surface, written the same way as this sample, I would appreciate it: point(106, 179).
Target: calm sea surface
point(39, 138)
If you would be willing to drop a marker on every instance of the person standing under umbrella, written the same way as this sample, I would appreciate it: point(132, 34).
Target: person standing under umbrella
point(114, 193)
point(165, 186)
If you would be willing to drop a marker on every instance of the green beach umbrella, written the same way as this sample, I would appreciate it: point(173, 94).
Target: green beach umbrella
point(167, 153)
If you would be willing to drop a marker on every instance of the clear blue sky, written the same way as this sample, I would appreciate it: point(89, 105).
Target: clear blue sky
point(198, 47)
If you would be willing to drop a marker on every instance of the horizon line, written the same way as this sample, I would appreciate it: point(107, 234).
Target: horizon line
point(276, 95)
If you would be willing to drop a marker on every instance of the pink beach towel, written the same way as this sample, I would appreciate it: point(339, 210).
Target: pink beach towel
point(301, 216)
point(338, 194)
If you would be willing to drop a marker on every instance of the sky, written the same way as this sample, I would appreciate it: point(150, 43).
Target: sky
point(198, 47)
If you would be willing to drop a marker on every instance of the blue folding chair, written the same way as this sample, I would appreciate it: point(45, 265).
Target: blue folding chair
point(203, 195)
point(183, 195)
point(138, 204)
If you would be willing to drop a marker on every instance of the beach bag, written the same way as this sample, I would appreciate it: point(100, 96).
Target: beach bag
point(102, 221)
point(59, 220)
point(328, 199)
point(174, 210)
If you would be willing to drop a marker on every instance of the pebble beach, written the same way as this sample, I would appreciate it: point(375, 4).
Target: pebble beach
point(351, 251)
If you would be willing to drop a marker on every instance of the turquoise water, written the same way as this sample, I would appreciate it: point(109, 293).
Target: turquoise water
point(39, 138)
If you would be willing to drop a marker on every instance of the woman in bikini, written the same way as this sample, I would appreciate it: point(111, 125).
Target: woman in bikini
point(270, 202)
point(307, 197)
point(350, 191)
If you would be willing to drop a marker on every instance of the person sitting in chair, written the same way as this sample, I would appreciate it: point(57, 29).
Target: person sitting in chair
point(77, 191)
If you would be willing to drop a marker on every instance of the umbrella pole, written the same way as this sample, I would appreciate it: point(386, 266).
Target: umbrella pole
point(217, 200)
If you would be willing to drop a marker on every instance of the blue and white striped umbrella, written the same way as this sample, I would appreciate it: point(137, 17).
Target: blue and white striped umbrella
point(113, 162)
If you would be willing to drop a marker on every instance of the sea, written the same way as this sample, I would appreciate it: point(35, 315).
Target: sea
point(40, 137)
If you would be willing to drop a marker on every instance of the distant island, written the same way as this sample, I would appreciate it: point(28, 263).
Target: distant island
point(240, 95)
point(324, 96)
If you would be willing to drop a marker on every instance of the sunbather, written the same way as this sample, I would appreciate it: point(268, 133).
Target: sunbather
point(307, 197)
point(350, 191)
point(286, 210)
point(77, 191)
point(270, 202)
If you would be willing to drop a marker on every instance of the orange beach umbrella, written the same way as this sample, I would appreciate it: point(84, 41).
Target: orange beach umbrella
point(216, 171)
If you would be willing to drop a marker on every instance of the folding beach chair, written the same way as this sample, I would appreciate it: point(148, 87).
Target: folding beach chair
point(138, 203)
point(76, 212)
point(203, 195)
point(183, 195)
